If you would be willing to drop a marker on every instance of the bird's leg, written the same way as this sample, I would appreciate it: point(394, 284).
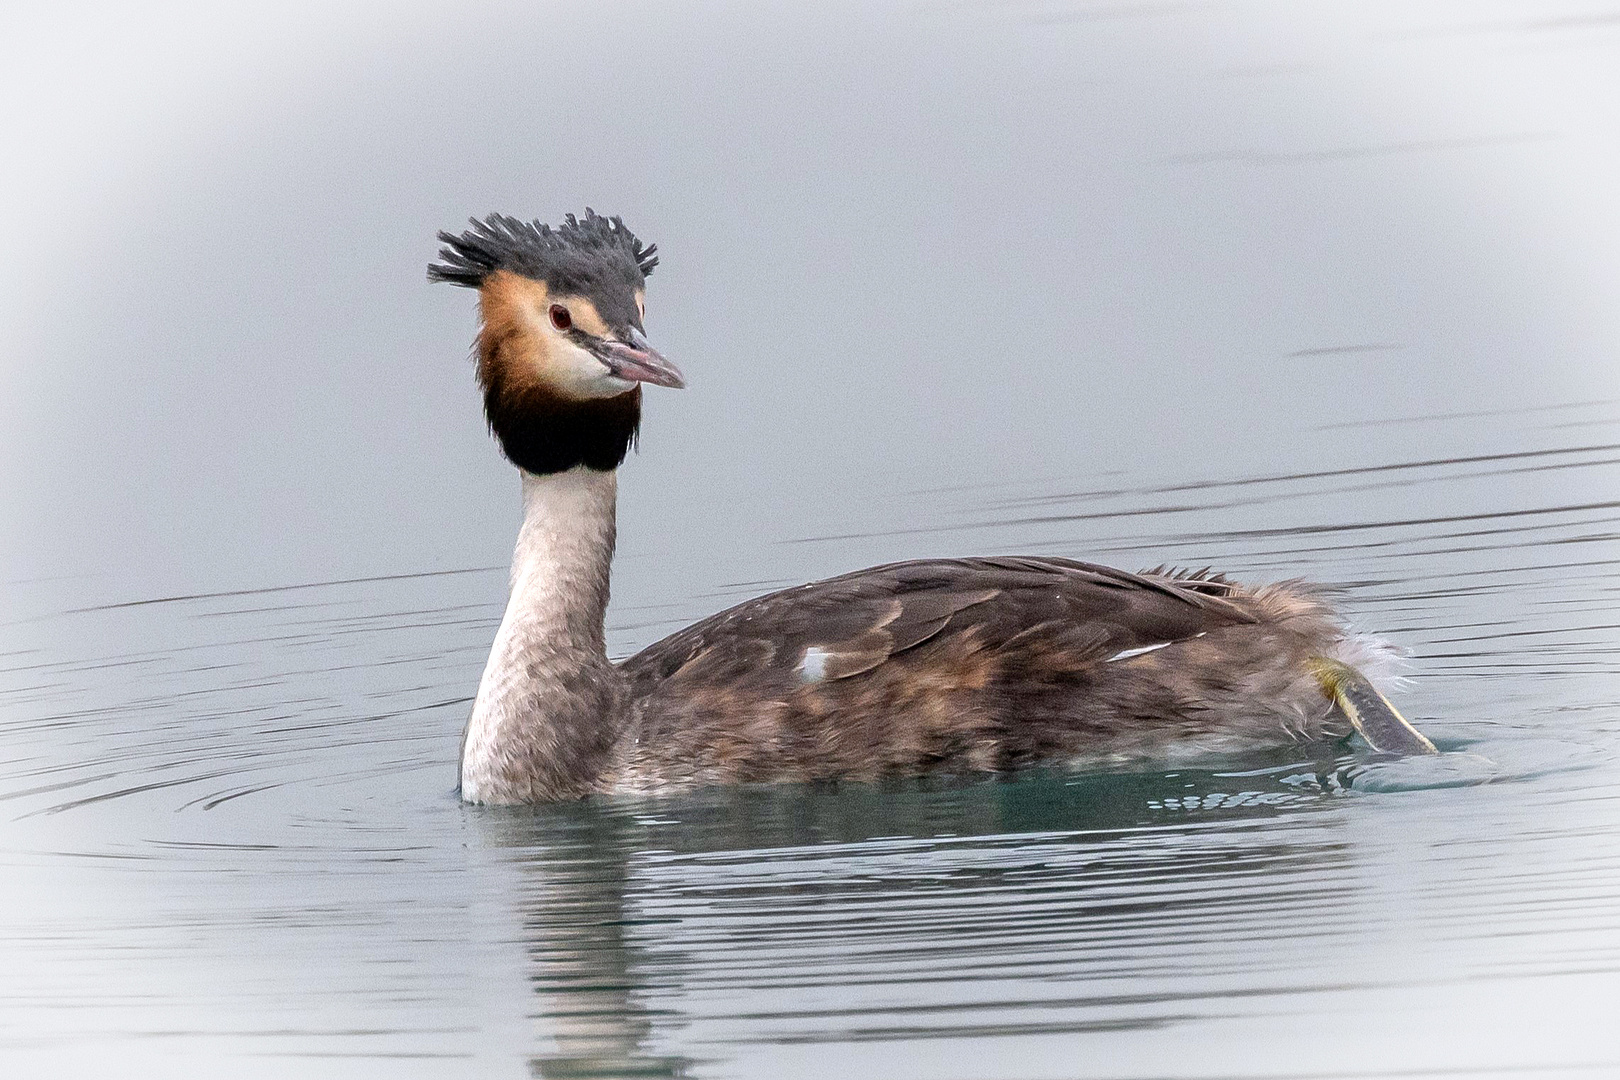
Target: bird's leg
point(1375, 719)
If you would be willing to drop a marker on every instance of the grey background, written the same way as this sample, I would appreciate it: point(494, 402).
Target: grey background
point(906, 247)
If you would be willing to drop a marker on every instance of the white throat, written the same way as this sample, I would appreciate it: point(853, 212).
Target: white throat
point(550, 637)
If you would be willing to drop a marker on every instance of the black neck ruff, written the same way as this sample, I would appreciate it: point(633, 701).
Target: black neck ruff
point(542, 433)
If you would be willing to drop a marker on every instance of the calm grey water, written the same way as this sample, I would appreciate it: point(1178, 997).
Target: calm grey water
point(1322, 291)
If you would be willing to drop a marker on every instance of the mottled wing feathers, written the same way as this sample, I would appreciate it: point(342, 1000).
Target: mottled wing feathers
point(1057, 612)
point(905, 622)
point(968, 665)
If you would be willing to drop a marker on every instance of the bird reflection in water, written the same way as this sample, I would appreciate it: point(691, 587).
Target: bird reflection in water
point(628, 904)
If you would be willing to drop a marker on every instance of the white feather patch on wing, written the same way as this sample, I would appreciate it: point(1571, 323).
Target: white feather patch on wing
point(813, 668)
point(1126, 654)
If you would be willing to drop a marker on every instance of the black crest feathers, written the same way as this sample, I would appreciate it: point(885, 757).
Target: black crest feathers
point(578, 256)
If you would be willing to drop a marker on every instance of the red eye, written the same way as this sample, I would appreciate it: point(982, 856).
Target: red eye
point(560, 317)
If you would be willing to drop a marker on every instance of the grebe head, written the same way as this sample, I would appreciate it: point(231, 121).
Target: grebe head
point(562, 352)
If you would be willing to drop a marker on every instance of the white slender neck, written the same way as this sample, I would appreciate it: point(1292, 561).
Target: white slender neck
point(564, 553)
point(546, 711)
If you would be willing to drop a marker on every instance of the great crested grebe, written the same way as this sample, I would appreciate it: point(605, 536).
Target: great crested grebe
point(951, 665)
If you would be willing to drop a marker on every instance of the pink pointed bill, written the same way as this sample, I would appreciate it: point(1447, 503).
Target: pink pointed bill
point(639, 362)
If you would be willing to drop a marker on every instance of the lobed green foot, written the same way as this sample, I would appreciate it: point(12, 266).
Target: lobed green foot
point(1377, 721)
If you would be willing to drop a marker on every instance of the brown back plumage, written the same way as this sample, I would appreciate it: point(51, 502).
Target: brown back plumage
point(864, 618)
point(964, 664)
